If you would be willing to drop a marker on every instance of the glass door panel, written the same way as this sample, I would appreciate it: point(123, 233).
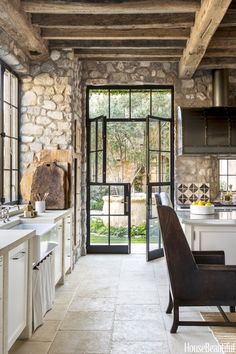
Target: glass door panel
point(97, 151)
point(159, 177)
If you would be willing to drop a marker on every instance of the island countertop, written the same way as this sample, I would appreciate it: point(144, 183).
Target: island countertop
point(12, 238)
point(218, 218)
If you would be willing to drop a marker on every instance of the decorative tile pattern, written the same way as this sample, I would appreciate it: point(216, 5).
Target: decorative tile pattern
point(190, 192)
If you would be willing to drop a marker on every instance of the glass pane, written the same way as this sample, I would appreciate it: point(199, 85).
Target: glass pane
point(99, 230)
point(7, 153)
point(14, 145)
point(165, 136)
point(100, 166)
point(140, 103)
point(119, 103)
point(6, 186)
point(14, 188)
point(117, 200)
point(154, 135)
point(98, 103)
point(165, 167)
point(14, 90)
point(119, 230)
point(154, 167)
point(7, 87)
point(232, 180)
point(92, 136)
point(14, 122)
point(161, 103)
point(223, 167)
point(223, 183)
point(100, 134)
point(232, 167)
point(93, 167)
point(154, 234)
point(98, 200)
point(7, 119)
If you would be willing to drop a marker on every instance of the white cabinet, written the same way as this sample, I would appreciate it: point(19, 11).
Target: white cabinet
point(17, 291)
point(67, 243)
point(58, 251)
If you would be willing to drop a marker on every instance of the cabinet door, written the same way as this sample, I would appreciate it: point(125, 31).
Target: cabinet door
point(193, 127)
point(17, 290)
point(58, 252)
point(67, 240)
point(1, 301)
point(217, 127)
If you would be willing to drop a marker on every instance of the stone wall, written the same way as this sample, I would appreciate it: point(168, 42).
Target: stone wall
point(187, 93)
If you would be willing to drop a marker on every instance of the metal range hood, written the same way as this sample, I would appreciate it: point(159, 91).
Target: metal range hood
point(220, 85)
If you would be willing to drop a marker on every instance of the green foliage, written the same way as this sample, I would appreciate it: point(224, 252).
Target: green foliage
point(97, 227)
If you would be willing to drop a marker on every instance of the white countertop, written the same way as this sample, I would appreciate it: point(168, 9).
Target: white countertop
point(11, 238)
point(218, 218)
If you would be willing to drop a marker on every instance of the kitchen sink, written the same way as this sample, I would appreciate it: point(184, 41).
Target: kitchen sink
point(40, 229)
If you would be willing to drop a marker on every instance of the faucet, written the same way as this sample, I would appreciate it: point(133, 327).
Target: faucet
point(5, 215)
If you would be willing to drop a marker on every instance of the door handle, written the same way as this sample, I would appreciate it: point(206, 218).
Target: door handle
point(126, 204)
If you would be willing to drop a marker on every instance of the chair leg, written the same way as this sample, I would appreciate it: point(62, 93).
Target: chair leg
point(170, 304)
point(232, 309)
point(175, 319)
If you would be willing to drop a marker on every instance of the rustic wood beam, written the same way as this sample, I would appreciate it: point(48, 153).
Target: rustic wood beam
point(117, 44)
point(128, 58)
point(129, 52)
point(115, 21)
point(110, 7)
point(218, 63)
point(207, 20)
point(219, 43)
point(15, 23)
point(219, 53)
point(148, 33)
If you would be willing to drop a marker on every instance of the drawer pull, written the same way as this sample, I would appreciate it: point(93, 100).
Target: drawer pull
point(18, 255)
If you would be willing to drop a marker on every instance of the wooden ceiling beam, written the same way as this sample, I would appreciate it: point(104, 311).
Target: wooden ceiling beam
point(218, 63)
point(206, 23)
point(219, 53)
point(149, 33)
point(117, 44)
point(175, 53)
point(127, 58)
point(15, 23)
point(92, 21)
point(222, 43)
point(229, 19)
point(225, 33)
point(110, 7)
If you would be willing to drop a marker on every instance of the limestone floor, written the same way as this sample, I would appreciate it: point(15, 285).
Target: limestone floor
point(113, 304)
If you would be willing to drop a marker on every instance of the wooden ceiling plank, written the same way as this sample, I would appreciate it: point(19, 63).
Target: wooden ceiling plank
point(219, 43)
point(86, 7)
point(183, 20)
point(117, 44)
point(207, 21)
point(15, 23)
point(218, 63)
point(77, 33)
point(131, 52)
point(128, 58)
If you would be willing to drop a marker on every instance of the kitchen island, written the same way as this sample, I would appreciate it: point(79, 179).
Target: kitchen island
point(211, 232)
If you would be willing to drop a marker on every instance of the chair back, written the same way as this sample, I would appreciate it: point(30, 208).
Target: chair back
point(181, 265)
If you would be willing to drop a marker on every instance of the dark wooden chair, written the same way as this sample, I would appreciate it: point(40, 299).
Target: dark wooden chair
point(196, 278)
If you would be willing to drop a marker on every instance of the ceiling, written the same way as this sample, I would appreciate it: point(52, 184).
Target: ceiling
point(194, 33)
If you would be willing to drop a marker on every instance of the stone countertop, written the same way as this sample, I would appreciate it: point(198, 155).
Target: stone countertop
point(50, 216)
point(10, 239)
point(218, 218)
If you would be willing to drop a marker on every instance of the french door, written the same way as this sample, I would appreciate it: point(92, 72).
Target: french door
point(159, 161)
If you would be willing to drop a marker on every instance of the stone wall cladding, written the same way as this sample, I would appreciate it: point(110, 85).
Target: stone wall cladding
point(12, 54)
point(47, 106)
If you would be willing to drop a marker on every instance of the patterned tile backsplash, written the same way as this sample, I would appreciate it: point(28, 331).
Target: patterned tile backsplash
point(190, 192)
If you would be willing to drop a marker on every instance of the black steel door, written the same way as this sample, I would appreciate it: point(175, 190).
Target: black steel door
point(108, 204)
point(160, 160)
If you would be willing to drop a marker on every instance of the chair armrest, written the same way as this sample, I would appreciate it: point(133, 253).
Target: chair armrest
point(218, 267)
point(209, 257)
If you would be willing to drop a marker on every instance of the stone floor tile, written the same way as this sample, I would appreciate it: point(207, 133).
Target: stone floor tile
point(29, 347)
point(92, 304)
point(139, 330)
point(57, 313)
point(75, 342)
point(46, 332)
point(137, 312)
point(137, 297)
point(88, 321)
point(160, 347)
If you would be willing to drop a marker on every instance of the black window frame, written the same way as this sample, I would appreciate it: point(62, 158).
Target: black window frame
point(4, 67)
point(227, 174)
